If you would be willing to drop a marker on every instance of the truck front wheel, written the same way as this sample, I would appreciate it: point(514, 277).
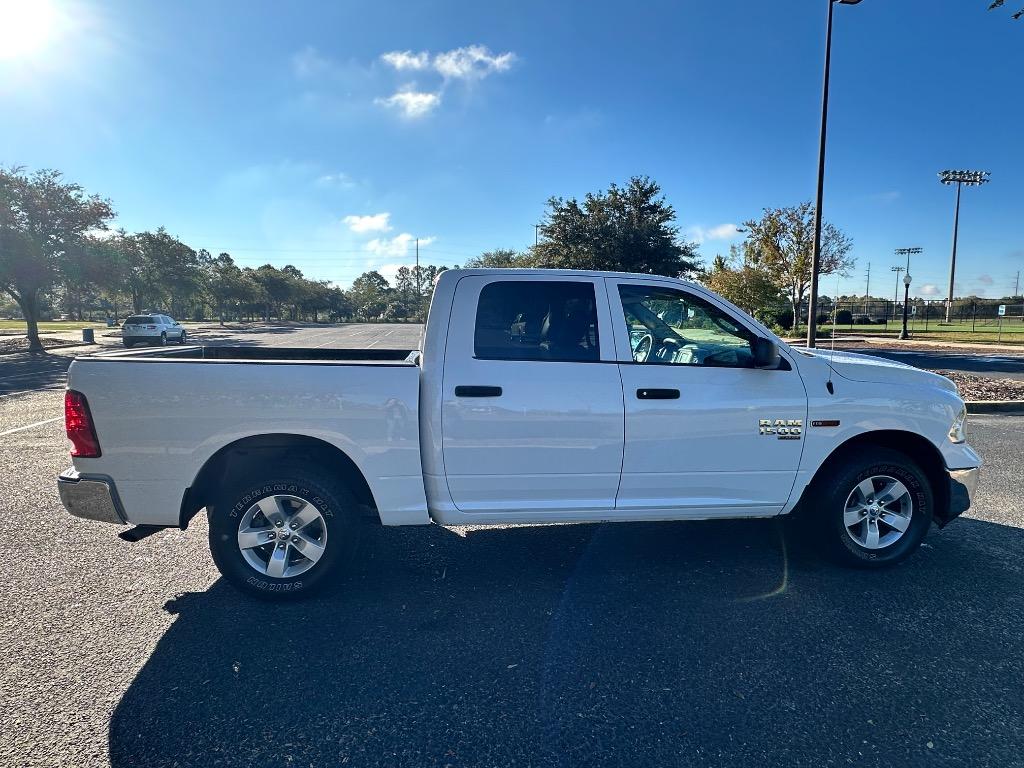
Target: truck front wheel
point(872, 509)
point(281, 533)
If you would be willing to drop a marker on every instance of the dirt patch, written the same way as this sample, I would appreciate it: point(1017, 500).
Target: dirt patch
point(981, 388)
point(20, 344)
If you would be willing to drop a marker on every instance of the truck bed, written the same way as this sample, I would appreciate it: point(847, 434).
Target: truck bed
point(161, 414)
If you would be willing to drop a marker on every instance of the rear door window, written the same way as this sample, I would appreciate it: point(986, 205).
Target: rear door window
point(140, 320)
point(537, 320)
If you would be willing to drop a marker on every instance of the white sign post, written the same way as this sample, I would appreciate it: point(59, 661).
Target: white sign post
point(1002, 314)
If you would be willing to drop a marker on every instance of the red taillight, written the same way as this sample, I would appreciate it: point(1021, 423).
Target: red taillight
point(78, 422)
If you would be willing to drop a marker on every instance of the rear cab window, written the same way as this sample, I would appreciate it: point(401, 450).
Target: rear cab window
point(140, 320)
point(544, 320)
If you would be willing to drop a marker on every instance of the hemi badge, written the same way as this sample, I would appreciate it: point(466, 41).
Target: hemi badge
point(825, 423)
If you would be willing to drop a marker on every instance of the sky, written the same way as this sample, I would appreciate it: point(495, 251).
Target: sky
point(332, 135)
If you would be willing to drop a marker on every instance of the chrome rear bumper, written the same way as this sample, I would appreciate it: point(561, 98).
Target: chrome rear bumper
point(92, 497)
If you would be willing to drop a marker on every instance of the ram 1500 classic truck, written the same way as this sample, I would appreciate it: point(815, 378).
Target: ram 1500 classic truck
point(538, 397)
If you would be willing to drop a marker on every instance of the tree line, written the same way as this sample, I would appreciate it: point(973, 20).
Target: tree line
point(58, 255)
point(57, 251)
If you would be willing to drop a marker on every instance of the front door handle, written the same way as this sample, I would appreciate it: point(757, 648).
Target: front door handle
point(477, 391)
point(657, 394)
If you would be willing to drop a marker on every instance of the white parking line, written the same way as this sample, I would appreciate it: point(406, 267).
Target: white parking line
point(30, 426)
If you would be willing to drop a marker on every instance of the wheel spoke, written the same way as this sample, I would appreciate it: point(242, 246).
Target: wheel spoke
point(892, 492)
point(871, 534)
point(304, 517)
point(893, 520)
point(308, 547)
point(866, 488)
point(253, 537)
point(853, 515)
point(271, 509)
point(278, 562)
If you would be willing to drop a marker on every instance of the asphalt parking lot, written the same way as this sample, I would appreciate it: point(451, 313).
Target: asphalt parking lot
point(637, 645)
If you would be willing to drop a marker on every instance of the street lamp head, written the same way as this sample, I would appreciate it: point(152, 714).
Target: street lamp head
point(906, 280)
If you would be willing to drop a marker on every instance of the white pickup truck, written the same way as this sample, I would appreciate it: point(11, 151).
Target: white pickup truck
point(538, 397)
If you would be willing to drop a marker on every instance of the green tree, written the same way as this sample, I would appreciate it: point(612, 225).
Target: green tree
point(629, 229)
point(170, 269)
point(369, 295)
point(781, 244)
point(748, 287)
point(277, 285)
point(43, 225)
point(503, 258)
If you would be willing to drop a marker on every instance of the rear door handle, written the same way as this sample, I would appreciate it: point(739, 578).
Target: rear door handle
point(477, 391)
point(657, 394)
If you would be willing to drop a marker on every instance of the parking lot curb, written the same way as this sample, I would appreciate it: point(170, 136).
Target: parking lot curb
point(995, 406)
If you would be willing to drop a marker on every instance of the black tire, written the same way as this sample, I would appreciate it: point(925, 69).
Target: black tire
point(163, 340)
point(128, 344)
point(330, 498)
point(835, 485)
point(181, 339)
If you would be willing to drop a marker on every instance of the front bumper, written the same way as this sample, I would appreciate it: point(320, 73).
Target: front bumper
point(93, 497)
point(963, 483)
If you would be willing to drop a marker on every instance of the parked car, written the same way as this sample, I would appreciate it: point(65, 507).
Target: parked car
point(151, 329)
point(538, 397)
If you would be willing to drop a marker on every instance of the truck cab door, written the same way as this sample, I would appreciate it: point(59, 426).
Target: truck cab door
point(707, 434)
point(532, 410)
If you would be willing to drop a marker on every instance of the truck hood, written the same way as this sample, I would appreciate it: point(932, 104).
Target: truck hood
point(878, 370)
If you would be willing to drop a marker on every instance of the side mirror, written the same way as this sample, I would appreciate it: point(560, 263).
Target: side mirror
point(765, 352)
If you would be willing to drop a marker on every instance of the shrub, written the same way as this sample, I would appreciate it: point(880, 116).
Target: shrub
point(844, 317)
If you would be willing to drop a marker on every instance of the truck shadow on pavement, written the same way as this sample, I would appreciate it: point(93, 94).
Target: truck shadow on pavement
point(639, 645)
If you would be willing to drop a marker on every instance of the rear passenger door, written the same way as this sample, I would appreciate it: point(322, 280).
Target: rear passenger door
point(532, 412)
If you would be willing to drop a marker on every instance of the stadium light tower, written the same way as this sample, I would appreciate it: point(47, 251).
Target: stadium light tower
point(812, 303)
point(971, 179)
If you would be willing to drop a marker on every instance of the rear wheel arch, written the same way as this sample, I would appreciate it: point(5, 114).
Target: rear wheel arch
point(242, 456)
point(917, 448)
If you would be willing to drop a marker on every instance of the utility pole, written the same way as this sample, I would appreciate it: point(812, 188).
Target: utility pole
point(867, 289)
point(1016, 285)
point(896, 296)
point(419, 289)
point(908, 252)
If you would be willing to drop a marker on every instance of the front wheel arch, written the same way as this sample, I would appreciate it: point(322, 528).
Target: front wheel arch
point(911, 444)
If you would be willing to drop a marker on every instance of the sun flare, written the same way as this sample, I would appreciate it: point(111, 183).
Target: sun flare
point(26, 26)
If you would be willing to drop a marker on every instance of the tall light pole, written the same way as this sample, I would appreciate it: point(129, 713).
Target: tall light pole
point(906, 284)
point(812, 304)
point(971, 179)
point(896, 296)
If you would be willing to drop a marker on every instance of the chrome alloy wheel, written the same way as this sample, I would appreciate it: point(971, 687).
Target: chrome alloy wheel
point(878, 511)
point(282, 536)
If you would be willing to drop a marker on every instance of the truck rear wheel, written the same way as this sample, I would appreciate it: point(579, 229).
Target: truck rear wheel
point(873, 509)
point(282, 532)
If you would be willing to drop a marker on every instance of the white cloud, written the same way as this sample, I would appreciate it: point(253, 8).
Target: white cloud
point(727, 231)
point(471, 62)
point(410, 103)
point(928, 289)
point(399, 245)
point(986, 280)
point(377, 222)
point(402, 60)
point(474, 62)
